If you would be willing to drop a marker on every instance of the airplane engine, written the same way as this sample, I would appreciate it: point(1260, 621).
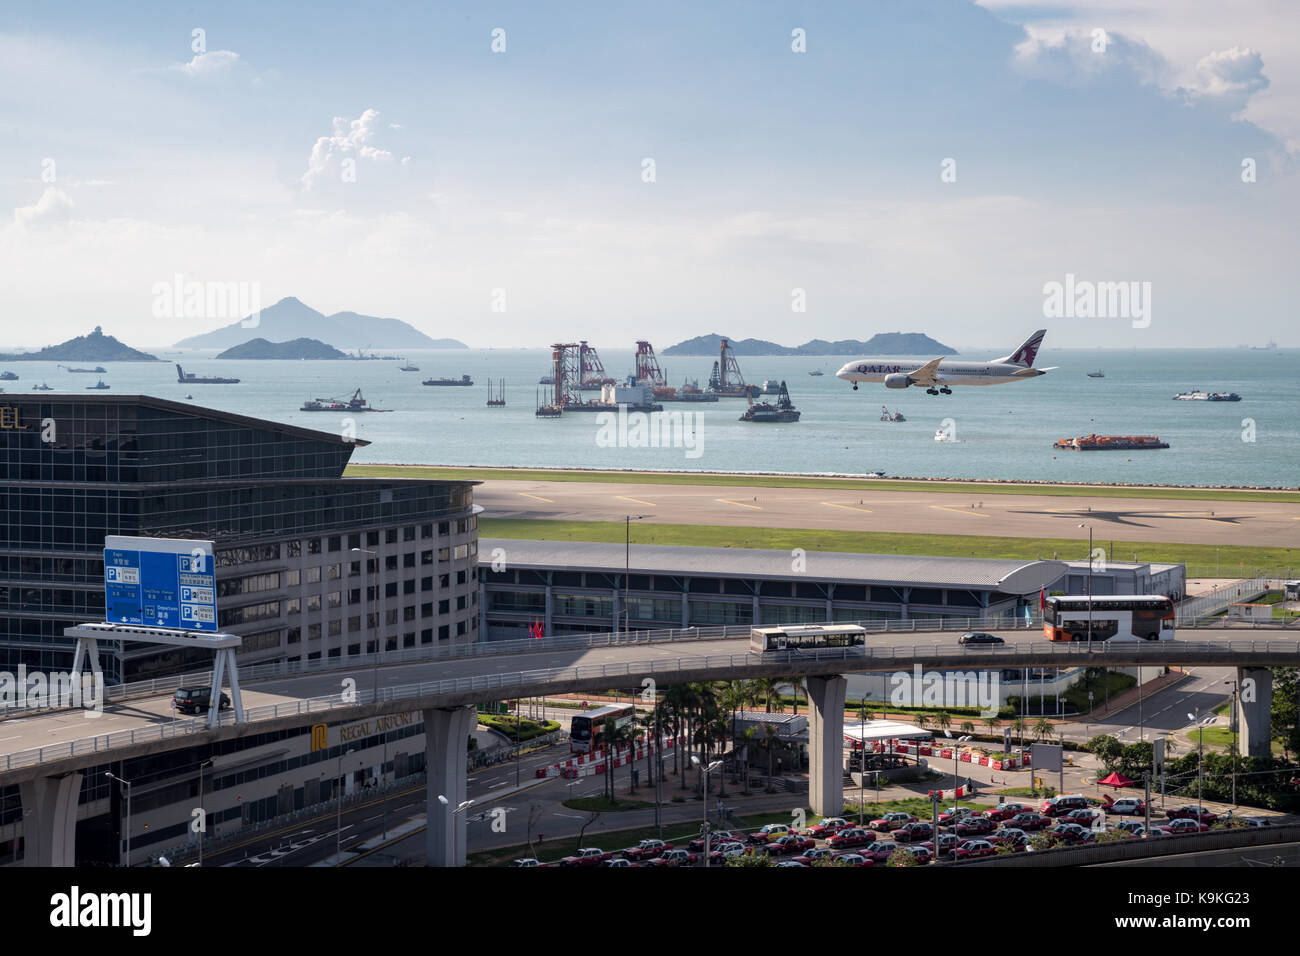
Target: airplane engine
point(897, 380)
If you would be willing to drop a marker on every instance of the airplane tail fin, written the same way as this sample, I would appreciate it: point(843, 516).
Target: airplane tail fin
point(1027, 352)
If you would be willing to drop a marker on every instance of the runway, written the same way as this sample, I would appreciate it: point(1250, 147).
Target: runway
point(1189, 521)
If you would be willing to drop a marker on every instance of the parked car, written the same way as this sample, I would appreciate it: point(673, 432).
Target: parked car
point(1061, 805)
point(1127, 806)
point(913, 832)
point(947, 843)
point(853, 836)
point(972, 849)
point(1191, 812)
point(725, 851)
point(809, 857)
point(974, 826)
point(1005, 811)
point(1071, 833)
point(922, 853)
point(790, 844)
point(676, 857)
point(954, 814)
point(1134, 827)
point(1029, 820)
point(979, 637)
point(646, 850)
point(715, 837)
point(526, 861)
point(1182, 826)
point(1085, 817)
point(587, 856)
point(892, 821)
point(879, 852)
point(769, 832)
point(620, 863)
point(853, 859)
point(827, 828)
point(197, 700)
point(1255, 821)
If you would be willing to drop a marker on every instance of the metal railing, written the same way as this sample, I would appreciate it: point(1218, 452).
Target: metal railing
point(532, 682)
point(1189, 612)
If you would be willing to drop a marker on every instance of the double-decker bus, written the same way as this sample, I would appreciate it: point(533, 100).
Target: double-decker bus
point(587, 729)
point(1142, 617)
point(806, 637)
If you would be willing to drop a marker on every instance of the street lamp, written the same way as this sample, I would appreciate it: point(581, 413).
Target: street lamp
point(1234, 719)
point(1089, 527)
point(960, 741)
point(202, 816)
point(707, 770)
point(127, 784)
point(1200, 761)
point(460, 809)
point(338, 842)
point(627, 567)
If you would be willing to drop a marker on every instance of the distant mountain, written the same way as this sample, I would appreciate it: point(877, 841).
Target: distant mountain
point(297, 349)
point(884, 343)
point(291, 319)
point(95, 347)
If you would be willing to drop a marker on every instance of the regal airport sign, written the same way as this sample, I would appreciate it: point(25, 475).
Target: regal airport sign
point(160, 582)
point(359, 729)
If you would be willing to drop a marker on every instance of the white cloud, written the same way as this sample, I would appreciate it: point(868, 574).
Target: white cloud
point(1234, 72)
point(210, 64)
point(349, 139)
point(54, 206)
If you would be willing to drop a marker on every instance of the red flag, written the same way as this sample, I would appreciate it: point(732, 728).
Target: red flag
point(1041, 602)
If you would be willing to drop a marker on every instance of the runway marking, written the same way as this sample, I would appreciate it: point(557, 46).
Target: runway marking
point(637, 500)
point(740, 504)
point(549, 501)
point(960, 511)
point(831, 504)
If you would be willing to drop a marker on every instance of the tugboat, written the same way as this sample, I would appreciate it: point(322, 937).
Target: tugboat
point(463, 380)
point(355, 404)
point(782, 411)
point(1199, 396)
point(42, 388)
point(98, 385)
point(8, 377)
point(816, 372)
point(887, 416)
point(1097, 374)
point(189, 378)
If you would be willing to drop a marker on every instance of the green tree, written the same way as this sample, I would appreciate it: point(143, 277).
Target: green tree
point(1044, 729)
point(943, 720)
point(903, 857)
point(991, 725)
point(1020, 727)
point(1107, 749)
point(968, 727)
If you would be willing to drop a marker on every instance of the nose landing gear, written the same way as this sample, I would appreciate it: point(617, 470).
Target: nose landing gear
point(855, 386)
point(932, 391)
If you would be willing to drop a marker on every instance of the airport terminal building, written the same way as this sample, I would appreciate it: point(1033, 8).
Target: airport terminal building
point(273, 500)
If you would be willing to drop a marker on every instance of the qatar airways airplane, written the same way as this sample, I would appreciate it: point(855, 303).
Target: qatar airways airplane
point(937, 375)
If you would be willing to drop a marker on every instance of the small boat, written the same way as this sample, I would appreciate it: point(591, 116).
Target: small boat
point(783, 411)
point(42, 388)
point(1199, 396)
point(8, 377)
point(941, 434)
point(1097, 374)
point(546, 380)
point(887, 416)
point(98, 385)
point(875, 474)
point(816, 372)
point(408, 367)
point(355, 404)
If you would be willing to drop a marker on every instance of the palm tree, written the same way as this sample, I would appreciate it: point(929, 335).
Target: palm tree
point(767, 687)
point(967, 727)
point(991, 725)
point(1044, 729)
point(923, 720)
point(751, 736)
point(628, 735)
point(943, 720)
point(1020, 727)
point(769, 741)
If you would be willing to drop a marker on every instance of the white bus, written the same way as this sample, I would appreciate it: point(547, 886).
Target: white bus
point(806, 637)
point(1141, 617)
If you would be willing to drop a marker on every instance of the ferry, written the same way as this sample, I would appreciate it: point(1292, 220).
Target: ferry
point(1110, 443)
point(355, 404)
point(1199, 396)
point(463, 380)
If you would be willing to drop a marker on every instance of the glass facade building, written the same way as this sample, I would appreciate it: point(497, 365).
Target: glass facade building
point(271, 497)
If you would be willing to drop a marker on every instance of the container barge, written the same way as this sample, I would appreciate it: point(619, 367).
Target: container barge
point(1110, 443)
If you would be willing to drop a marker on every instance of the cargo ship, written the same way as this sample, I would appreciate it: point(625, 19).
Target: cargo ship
point(1110, 443)
point(97, 370)
point(463, 380)
point(782, 411)
point(689, 392)
point(355, 404)
point(189, 378)
point(1198, 396)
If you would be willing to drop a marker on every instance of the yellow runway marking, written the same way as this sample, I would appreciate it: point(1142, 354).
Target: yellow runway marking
point(739, 504)
point(549, 501)
point(831, 504)
point(960, 511)
point(637, 500)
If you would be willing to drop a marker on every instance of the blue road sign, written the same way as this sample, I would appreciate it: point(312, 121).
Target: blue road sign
point(160, 582)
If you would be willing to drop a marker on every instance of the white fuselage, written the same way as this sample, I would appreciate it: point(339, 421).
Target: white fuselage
point(948, 373)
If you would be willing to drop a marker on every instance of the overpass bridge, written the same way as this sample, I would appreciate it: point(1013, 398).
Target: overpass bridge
point(52, 751)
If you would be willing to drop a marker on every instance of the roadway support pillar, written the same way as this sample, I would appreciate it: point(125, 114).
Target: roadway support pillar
point(1254, 706)
point(826, 744)
point(50, 819)
point(446, 736)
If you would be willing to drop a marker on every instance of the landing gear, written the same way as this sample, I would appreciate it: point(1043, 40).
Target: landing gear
point(855, 386)
point(932, 391)
point(946, 390)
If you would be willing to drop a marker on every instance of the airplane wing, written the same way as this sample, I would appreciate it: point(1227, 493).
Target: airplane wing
point(925, 374)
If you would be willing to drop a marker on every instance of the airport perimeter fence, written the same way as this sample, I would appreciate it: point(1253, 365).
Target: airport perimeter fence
point(1191, 612)
point(525, 683)
point(299, 668)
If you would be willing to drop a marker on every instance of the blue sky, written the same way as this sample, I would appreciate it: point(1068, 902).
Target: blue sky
point(522, 170)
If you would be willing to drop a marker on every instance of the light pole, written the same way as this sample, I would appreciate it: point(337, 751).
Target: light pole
point(203, 817)
point(1200, 761)
point(707, 770)
point(1234, 718)
point(338, 841)
point(461, 808)
point(1089, 527)
point(127, 784)
point(627, 567)
point(959, 742)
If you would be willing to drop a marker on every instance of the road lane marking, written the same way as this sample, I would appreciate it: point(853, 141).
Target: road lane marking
point(960, 511)
point(831, 504)
point(649, 504)
point(549, 501)
point(739, 504)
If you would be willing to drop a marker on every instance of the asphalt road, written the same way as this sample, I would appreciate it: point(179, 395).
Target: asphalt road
point(1188, 521)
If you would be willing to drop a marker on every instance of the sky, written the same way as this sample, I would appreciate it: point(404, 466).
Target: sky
point(516, 174)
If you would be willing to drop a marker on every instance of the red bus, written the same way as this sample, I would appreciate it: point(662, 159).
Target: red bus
point(587, 730)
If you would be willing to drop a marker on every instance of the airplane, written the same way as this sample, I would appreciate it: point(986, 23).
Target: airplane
point(1016, 367)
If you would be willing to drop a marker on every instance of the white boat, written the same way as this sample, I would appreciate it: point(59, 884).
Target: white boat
point(941, 435)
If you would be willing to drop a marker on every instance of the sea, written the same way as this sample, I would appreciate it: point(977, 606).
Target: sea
point(1000, 432)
